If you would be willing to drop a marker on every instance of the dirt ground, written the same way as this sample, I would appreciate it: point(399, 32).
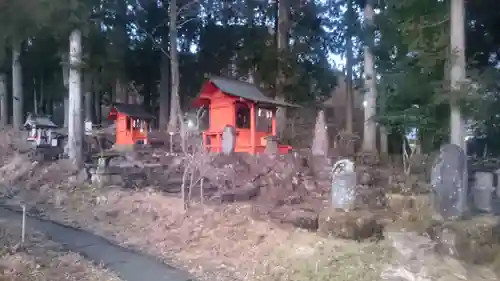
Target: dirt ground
point(214, 242)
point(42, 259)
point(219, 242)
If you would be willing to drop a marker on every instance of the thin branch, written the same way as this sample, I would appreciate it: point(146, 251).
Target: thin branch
point(153, 39)
point(186, 6)
point(180, 24)
point(429, 25)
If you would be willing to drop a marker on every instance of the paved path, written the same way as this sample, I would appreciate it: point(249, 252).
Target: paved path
point(127, 264)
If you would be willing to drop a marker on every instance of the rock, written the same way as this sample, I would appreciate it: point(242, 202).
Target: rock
point(357, 225)
point(368, 158)
point(309, 183)
point(365, 178)
point(80, 178)
point(247, 192)
point(415, 259)
point(303, 219)
point(474, 240)
point(398, 202)
point(106, 179)
point(370, 197)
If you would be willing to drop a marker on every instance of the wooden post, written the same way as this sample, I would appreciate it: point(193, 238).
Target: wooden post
point(252, 129)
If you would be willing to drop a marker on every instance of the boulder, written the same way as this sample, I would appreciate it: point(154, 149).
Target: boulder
point(475, 240)
point(244, 193)
point(303, 219)
point(356, 225)
point(398, 202)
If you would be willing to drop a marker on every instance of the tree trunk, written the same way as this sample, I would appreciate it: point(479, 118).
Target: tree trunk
point(370, 127)
point(4, 108)
point(89, 99)
point(164, 89)
point(17, 87)
point(65, 74)
point(42, 95)
point(349, 62)
point(35, 98)
point(174, 72)
point(384, 142)
point(282, 46)
point(120, 91)
point(96, 88)
point(75, 129)
point(97, 104)
point(457, 73)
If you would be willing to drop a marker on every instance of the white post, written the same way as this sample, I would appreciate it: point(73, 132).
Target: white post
point(171, 142)
point(23, 225)
point(201, 191)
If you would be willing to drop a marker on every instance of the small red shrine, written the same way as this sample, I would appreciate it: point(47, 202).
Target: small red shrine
point(132, 123)
point(243, 106)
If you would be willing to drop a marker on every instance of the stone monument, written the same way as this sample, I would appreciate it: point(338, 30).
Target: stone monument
point(482, 191)
point(343, 193)
point(228, 140)
point(271, 145)
point(449, 182)
point(320, 137)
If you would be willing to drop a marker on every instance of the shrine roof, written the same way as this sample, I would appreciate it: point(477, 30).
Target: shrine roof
point(39, 122)
point(245, 90)
point(133, 110)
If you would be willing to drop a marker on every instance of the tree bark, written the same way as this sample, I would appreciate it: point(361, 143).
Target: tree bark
point(17, 87)
point(75, 129)
point(282, 47)
point(349, 62)
point(174, 72)
point(89, 99)
point(164, 89)
point(4, 108)
point(370, 127)
point(65, 72)
point(457, 73)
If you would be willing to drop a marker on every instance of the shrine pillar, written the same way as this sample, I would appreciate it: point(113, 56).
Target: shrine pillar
point(252, 129)
point(273, 122)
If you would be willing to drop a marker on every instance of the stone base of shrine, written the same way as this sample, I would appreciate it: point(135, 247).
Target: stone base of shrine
point(475, 240)
point(398, 202)
point(356, 225)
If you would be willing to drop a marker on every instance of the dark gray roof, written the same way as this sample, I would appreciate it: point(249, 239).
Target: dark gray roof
point(39, 121)
point(245, 90)
point(133, 110)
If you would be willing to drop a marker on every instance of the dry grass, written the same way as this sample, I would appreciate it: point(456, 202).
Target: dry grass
point(213, 242)
point(40, 259)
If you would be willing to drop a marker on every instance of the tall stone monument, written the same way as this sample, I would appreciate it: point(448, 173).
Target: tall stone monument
point(320, 143)
point(449, 182)
point(343, 193)
point(228, 140)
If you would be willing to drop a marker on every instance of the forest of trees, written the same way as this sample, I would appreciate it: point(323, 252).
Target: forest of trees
point(408, 56)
